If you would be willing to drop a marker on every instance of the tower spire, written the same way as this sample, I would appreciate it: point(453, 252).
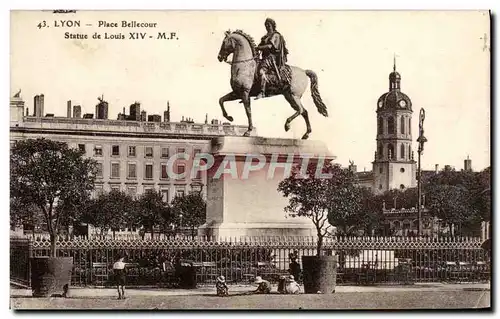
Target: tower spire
point(394, 61)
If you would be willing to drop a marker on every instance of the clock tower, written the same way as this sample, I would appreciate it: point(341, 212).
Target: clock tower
point(394, 165)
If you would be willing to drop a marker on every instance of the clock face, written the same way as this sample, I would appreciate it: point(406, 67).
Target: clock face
point(380, 103)
point(402, 103)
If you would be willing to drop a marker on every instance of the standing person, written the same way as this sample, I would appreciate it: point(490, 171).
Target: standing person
point(264, 286)
point(120, 276)
point(294, 265)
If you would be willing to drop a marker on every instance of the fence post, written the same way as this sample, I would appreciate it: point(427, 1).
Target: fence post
point(30, 255)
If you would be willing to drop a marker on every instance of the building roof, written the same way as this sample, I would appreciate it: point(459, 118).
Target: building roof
point(363, 176)
point(394, 99)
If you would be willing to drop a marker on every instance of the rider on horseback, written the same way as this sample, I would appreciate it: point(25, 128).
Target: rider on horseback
point(274, 54)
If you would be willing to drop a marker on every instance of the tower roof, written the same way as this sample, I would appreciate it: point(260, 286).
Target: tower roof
point(394, 99)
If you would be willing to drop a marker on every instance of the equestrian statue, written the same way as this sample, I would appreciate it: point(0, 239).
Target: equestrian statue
point(261, 71)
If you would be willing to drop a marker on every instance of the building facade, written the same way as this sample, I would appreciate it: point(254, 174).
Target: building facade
point(132, 155)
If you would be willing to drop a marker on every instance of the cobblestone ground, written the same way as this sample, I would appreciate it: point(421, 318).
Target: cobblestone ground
point(347, 300)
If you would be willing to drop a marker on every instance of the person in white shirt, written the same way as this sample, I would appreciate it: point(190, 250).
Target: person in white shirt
point(292, 287)
point(120, 276)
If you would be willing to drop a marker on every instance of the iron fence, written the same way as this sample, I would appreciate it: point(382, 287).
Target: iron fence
point(361, 260)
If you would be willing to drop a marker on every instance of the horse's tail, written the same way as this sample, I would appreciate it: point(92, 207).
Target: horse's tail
point(315, 93)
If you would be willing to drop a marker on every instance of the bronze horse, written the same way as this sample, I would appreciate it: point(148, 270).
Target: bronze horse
point(244, 82)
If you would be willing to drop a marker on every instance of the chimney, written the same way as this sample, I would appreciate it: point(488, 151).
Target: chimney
point(77, 111)
point(36, 106)
point(68, 109)
point(468, 164)
point(143, 116)
point(206, 118)
point(123, 111)
point(41, 104)
point(27, 111)
point(436, 168)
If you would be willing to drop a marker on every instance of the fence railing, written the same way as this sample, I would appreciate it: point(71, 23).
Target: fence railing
point(361, 260)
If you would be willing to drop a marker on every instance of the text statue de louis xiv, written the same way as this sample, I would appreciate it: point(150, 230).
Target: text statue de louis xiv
point(261, 71)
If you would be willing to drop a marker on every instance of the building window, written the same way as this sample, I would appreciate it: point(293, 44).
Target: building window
point(98, 190)
point(148, 190)
point(409, 126)
point(131, 151)
point(164, 195)
point(149, 171)
point(181, 169)
point(181, 150)
point(409, 151)
point(115, 170)
point(402, 170)
point(402, 125)
point(390, 151)
point(115, 188)
point(380, 152)
point(390, 125)
point(99, 170)
point(132, 171)
point(402, 151)
point(163, 169)
point(115, 151)
point(98, 150)
point(381, 170)
point(149, 151)
point(380, 125)
point(81, 147)
point(132, 191)
point(180, 193)
point(164, 152)
point(380, 186)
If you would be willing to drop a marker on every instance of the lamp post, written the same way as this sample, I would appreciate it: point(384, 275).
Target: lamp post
point(421, 140)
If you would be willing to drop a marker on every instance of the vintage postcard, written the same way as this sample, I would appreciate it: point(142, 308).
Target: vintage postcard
point(250, 159)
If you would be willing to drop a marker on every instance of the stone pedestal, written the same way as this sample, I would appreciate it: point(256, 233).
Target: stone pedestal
point(246, 202)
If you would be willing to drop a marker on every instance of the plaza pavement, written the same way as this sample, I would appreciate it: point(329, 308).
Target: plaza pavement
point(418, 296)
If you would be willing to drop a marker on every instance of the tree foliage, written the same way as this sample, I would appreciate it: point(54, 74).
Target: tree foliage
point(333, 201)
point(192, 208)
point(114, 210)
point(152, 211)
point(49, 174)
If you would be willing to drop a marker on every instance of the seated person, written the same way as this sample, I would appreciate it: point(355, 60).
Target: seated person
point(221, 286)
point(291, 287)
point(264, 286)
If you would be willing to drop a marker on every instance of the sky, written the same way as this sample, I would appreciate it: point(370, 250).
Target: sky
point(441, 57)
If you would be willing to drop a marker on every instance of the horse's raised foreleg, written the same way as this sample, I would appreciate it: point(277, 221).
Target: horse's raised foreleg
point(248, 110)
point(228, 97)
point(297, 106)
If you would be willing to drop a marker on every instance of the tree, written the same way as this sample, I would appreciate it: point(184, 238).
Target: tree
point(110, 211)
point(49, 174)
point(192, 207)
point(475, 190)
point(326, 201)
point(152, 211)
point(25, 214)
point(451, 204)
point(371, 217)
point(482, 194)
